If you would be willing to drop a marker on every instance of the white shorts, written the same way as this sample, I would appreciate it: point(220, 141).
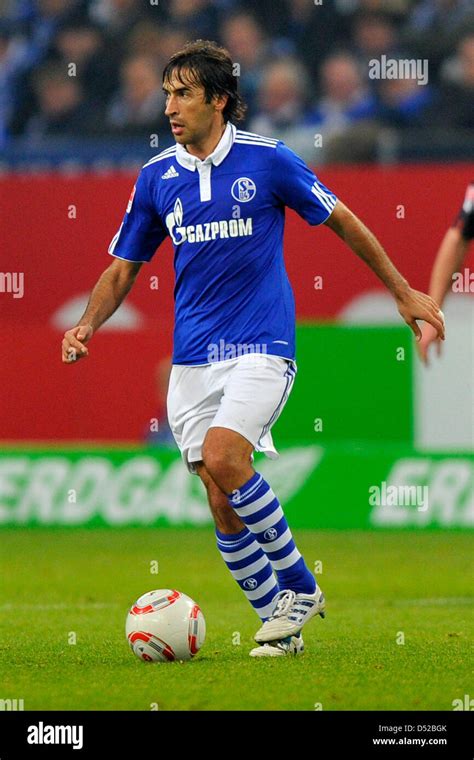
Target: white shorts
point(246, 394)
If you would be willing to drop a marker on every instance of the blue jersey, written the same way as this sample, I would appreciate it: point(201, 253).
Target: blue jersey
point(225, 216)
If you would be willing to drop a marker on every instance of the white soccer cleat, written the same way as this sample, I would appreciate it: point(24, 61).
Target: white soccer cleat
point(292, 645)
point(291, 612)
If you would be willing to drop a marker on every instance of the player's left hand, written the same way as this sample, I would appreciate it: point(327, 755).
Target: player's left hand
point(414, 305)
point(429, 338)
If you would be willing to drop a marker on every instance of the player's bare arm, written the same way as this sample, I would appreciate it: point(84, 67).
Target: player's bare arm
point(412, 304)
point(108, 293)
point(449, 258)
point(448, 261)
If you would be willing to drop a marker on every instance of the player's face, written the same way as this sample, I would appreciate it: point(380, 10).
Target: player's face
point(191, 118)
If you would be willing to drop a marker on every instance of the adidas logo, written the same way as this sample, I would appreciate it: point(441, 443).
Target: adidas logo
point(170, 173)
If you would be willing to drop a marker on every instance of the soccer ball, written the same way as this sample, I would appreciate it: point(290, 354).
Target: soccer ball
point(165, 625)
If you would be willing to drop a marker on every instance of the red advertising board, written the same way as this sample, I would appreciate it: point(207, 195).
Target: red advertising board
point(55, 230)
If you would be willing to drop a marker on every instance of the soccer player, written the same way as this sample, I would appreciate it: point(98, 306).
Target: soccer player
point(220, 194)
point(449, 258)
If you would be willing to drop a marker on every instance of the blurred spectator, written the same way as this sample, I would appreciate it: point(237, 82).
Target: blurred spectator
point(119, 16)
point(430, 15)
point(458, 68)
point(455, 106)
point(45, 19)
point(345, 97)
point(403, 102)
point(373, 35)
point(36, 23)
point(284, 109)
point(158, 41)
point(346, 112)
point(138, 108)
point(282, 96)
point(62, 109)
point(13, 56)
point(316, 30)
point(434, 27)
point(199, 17)
point(173, 39)
point(303, 29)
point(244, 39)
point(145, 38)
point(83, 44)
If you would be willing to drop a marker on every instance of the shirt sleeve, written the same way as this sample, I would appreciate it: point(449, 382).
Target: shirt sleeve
point(142, 230)
point(295, 185)
point(465, 219)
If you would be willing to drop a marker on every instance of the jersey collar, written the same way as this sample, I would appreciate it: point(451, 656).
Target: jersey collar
point(188, 161)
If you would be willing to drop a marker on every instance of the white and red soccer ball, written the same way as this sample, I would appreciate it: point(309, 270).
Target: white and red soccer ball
point(165, 625)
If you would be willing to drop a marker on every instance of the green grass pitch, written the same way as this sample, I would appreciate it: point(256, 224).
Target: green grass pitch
point(382, 589)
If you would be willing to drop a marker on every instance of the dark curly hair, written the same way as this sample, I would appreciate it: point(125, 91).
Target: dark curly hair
point(207, 64)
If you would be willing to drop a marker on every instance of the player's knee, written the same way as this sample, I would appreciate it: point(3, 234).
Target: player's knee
point(225, 518)
point(221, 463)
point(216, 497)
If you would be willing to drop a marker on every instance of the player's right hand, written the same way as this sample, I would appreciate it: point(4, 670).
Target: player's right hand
point(74, 343)
point(429, 335)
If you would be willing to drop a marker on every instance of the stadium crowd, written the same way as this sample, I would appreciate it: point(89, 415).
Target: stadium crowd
point(92, 68)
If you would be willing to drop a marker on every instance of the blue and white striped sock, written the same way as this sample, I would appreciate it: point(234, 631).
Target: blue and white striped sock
point(259, 509)
point(250, 568)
